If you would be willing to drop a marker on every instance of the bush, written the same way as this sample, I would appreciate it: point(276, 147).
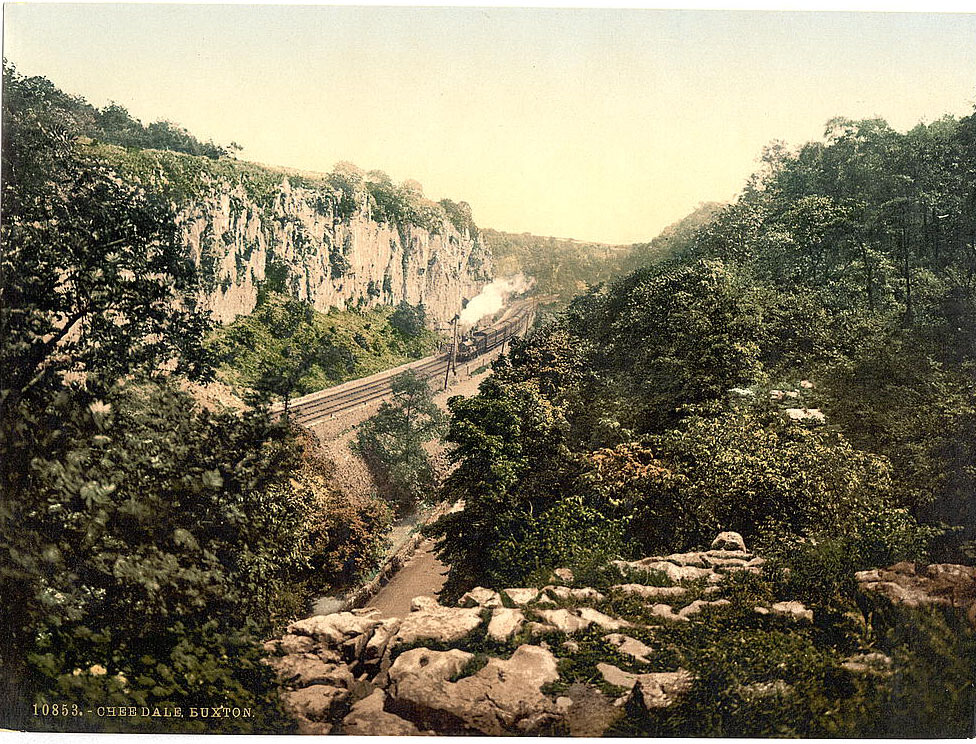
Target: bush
point(150, 539)
point(819, 569)
point(409, 320)
point(741, 470)
point(392, 441)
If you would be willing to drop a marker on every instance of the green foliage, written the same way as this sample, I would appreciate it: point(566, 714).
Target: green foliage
point(516, 477)
point(286, 348)
point(392, 441)
point(94, 281)
point(409, 320)
point(137, 543)
point(148, 545)
point(561, 268)
point(819, 570)
point(670, 336)
point(459, 214)
point(675, 239)
point(758, 680)
point(742, 470)
point(112, 124)
point(347, 536)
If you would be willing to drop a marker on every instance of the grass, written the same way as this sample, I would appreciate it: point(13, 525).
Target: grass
point(364, 343)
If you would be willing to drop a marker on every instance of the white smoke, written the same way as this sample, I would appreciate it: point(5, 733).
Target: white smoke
point(493, 297)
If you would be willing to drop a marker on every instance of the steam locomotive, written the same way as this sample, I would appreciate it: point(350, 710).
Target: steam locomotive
point(481, 342)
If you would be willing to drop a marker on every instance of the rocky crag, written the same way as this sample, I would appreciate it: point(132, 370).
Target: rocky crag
point(563, 659)
point(325, 260)
point(334, 240)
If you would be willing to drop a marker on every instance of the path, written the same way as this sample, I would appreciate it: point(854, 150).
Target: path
point(422, 574)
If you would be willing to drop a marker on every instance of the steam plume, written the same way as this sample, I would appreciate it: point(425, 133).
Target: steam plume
point(493, 297)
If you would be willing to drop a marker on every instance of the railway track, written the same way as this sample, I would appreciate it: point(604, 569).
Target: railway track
point(326, 404)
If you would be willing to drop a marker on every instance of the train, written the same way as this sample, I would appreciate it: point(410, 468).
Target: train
point(482, 341)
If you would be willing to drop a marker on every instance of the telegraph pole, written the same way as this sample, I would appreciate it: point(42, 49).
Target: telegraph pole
point(452, 359)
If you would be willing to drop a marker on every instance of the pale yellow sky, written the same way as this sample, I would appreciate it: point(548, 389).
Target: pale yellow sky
point(595, 124)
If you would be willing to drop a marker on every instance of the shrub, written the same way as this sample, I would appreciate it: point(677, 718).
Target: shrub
point(392, 441)
point(152, 539)
point(740, 470)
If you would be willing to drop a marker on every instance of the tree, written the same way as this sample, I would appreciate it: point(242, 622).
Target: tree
point(148, 547)
point(523, 512)
point(93, 279)
point(409, 320)
point(392, 441)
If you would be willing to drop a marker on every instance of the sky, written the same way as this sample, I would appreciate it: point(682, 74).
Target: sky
point(588, 123)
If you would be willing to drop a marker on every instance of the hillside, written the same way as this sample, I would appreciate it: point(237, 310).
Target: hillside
point(287, 347)
point(798, 370)
point(561, 268)
point(707, 642)
point(729, 492)
point(347, 239)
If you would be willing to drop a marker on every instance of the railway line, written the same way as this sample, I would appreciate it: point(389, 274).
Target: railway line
point(328, 403)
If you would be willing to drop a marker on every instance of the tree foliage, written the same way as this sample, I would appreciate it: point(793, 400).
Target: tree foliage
point(848, 262)
point(94, 281)
point(148, 545)
point(392, 441)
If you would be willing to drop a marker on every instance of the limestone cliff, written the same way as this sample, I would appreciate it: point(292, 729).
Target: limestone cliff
point(324, 259)
point(344, 239)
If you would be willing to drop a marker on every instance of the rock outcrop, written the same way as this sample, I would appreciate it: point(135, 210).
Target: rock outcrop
point(493, 664)
point(944, 584)
point(301, 238)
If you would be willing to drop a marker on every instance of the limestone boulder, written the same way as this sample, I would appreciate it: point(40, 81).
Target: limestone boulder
point(575, 620)
point(651, 592)
point(673, 571)
point(946, 584)
point(503, 697)
point(424, 602)
point(563, 620)
point(428, 666)
point(666, 612)
point(335, 629)
point(521, 596)
point(700, 604)
point(291, 644)
point(658, 690)
point(793, 610)
point(304, 670)
point(729, 541)
point(869, 664)
point(564, 574)
point(480, 597)
point(586, 594)
point(367, 718)
point(505, 623)
point(648, 691)
point(316, 702)
point(631, 646)
point(437, 623)
point(595, 617)
point(615, 676)
point(380, 640)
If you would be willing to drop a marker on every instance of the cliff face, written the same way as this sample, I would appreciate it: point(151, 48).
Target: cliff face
point(296, 241)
